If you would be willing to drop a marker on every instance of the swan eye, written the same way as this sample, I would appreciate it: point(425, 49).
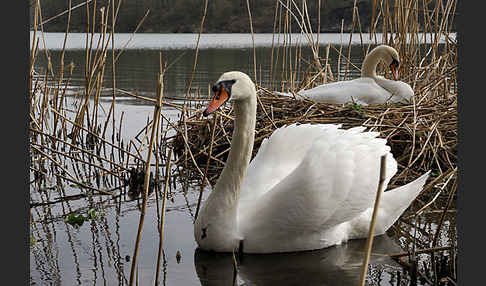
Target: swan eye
point(217, 96)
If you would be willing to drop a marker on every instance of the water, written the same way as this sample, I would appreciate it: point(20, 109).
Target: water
point(138, 64)
point(77, 41)
point(99, 252)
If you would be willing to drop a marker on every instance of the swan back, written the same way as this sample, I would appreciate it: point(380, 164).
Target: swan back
point(278, 156)
point(362, 91)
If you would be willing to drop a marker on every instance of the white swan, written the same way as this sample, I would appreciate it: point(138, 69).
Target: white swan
point(369, 88)
point(309, 186)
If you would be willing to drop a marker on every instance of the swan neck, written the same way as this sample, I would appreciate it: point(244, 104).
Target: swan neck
point(241, 147)
point(370, 63)
point(243, 134)
point(216, 226)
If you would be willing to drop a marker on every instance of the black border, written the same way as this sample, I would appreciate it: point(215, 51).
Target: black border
point(14, 116)
point(471, 103)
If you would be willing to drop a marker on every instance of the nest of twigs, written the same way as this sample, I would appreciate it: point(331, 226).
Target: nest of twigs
point(422, 135)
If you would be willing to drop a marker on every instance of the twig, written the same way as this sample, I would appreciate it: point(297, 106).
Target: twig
point(162, 218)
point(420, 251)
point(146, 184)
point(369, 240)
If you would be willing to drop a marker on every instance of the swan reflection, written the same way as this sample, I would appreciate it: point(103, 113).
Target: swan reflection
point(338, 265)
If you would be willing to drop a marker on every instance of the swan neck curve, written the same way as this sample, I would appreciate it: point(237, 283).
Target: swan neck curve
point(370, 62)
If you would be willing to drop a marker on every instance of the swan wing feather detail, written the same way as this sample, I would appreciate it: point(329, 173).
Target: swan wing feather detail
point(278, 156)
point(334, 182)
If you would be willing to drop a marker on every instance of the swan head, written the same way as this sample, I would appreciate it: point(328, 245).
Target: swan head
point(391, 58)
point(232, 86)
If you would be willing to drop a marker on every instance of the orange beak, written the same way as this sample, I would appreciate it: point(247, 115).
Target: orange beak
point(394, 69)
point(220, 97)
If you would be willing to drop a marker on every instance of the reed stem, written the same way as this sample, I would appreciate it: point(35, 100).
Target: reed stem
point(157, 110)
point(369, 240)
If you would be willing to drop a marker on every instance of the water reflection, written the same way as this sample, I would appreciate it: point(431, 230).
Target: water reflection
point(339, 265)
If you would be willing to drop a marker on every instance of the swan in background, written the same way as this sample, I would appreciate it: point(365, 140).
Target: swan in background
point(308, 187)
point(369, 88)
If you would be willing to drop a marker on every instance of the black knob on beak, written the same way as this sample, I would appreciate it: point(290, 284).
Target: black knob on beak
point(215, 87)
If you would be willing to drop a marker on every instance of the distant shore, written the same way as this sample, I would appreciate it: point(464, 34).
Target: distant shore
point(223, 16)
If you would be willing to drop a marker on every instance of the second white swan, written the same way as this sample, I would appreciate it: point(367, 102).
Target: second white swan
point(308, 187)
point(369, 88)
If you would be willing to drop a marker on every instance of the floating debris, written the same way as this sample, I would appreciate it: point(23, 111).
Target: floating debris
point(178, 257)
point(135, 183)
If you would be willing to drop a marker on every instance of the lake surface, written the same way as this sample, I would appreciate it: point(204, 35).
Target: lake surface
point(138, 64)
point(99, 252)
point(77, 41)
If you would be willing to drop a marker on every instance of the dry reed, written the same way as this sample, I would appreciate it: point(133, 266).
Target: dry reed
point(155, 124)
point(369, 239)
point(67, 143)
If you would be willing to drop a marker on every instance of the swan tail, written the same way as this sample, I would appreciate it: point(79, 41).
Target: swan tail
point(392, 205)
point(394, 202)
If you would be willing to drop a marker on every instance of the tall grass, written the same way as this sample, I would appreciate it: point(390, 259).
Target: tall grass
point(61, 136)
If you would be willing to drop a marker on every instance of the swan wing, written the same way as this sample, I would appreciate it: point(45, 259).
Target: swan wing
point(399, 91)
point(278, 156)
point(361, 90)
point(335, 181)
